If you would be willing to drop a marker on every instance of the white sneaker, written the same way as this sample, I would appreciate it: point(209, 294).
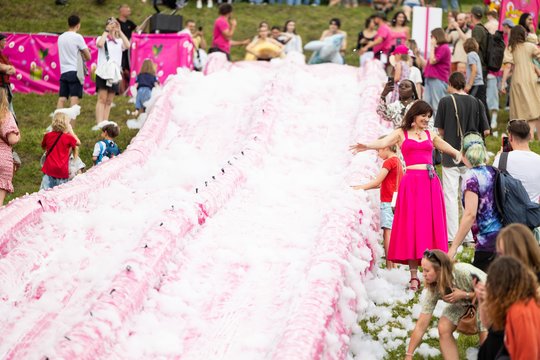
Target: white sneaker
point(199, 4)
point(210, 4)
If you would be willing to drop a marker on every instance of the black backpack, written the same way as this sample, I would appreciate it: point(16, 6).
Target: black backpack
point(495, 46)
point(512, 200)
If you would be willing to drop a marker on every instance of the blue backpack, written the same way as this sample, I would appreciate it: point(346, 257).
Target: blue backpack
point(512, 200)
point(107, 148)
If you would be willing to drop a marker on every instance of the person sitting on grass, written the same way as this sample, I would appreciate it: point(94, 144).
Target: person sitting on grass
point(453, 284)
point(388, 180)
point(106, 148)
point(58, 145)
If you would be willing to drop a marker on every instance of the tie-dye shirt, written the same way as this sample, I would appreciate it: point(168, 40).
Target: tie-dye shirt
point(481, 181)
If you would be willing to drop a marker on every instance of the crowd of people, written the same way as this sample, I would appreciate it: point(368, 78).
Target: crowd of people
point(450, 108)
point(439, 107)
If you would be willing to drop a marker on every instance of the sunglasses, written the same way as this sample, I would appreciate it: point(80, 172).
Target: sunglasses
point(430, 255)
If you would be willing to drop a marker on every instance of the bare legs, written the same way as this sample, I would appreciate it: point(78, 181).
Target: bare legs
point(535, 124)
point(446, 339)
point(386, 238)
point(74, 100)
point(2, 196)
point(103, 105)
point(415, 283)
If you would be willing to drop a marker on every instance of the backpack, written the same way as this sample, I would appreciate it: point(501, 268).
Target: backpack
point(512, 200)
point(107, 148)
point(495, 46)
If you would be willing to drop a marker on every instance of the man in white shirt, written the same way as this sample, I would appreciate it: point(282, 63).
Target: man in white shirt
point(71, 46)
point(523, 164)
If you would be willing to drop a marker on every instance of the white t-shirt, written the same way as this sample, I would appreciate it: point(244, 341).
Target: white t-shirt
point(69, 45)
point(115, 51)
point(414, 75)
point(524, 166)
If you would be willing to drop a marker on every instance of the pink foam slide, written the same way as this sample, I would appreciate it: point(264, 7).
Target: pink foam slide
point(345, 250)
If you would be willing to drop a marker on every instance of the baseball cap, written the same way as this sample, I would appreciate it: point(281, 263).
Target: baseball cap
point(401, 50)
point(508, 23)
point(477, 11)
point(380, 14)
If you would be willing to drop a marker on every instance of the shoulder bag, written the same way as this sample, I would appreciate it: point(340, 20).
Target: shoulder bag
point(47, 152)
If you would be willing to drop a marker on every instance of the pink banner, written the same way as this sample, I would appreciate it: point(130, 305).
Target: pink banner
point(512, 9)
point(35, 57)
point(167, 51)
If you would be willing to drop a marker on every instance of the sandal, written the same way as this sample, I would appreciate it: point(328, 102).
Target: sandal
point(414, 287)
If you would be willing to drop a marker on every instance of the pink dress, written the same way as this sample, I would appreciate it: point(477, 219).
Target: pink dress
point(420, 215)
point(6, 156)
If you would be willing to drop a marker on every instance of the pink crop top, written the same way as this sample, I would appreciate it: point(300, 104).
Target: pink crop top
point(417, 152)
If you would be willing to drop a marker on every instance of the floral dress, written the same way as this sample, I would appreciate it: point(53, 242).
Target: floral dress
point(7, 126)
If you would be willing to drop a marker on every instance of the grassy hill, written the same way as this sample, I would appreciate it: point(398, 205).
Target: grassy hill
point(43, 16)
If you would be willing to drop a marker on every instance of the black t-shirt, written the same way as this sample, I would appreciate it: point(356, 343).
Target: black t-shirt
point(472, 116)
point(127, 27)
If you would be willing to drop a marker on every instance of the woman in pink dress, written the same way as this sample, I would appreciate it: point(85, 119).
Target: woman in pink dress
point(9, 136)
point(420, 216)
point(400, 32)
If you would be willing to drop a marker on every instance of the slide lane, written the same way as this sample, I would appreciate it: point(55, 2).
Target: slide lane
point(273, 269)
point(69, 257)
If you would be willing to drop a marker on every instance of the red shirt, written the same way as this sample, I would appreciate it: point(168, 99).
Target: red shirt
point(391, 182)
point(57, 162)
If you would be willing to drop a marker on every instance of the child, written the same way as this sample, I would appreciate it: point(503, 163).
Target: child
point(106, 149)
point(58, 145)
point(146, 80)
point(388, 179)
point(401, 68)
point(474, 68)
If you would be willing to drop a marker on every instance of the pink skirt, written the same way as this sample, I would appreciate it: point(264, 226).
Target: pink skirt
point(419, 218)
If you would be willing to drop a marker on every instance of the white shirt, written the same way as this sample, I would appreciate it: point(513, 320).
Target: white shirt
point(69, 45)
point(295, 44)
point(115, 51)
point(524, 166)
point(414, 75)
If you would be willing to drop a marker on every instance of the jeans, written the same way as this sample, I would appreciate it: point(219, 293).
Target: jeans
point(492, 92)
point(315, 2)
point(435, 90)
point(48, 182)
point(453, 3)
point(272, 2)
point(294, 2)
point(450, 180)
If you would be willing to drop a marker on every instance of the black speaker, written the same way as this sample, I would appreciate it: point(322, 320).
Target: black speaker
point(165, 23)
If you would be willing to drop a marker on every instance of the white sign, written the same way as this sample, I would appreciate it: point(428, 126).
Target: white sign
point(425, 19)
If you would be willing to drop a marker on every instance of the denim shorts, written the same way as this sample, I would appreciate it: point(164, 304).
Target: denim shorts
point(48, 182)
point(387, 215)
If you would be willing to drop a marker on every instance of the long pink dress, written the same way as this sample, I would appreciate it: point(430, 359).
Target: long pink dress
point(420, 215)
point(6, 156)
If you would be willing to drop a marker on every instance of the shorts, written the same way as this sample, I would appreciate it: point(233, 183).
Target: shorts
point(387, 215)
point(70, 85)
point(102, 84)
point(143, 95)
point(48, 182)
point(482, 259)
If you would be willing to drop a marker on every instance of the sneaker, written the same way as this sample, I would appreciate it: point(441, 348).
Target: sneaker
point(199, 4)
